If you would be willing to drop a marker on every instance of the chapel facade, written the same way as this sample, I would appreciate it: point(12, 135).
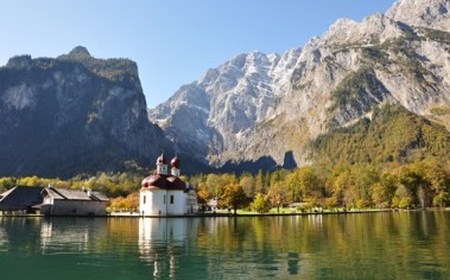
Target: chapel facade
point(164, 193)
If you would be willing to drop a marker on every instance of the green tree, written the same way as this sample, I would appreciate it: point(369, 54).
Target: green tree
point(30, 181)
point(310, 183)
point(213, 184)
point(339, 185)
point(7, 183)
point(402, 198)
point(278, 177)
point(382, 192)
point(414, 184)
point(435, 186)
point(261, 184)
point(233, 197)
point(293, 186)
point(365, 177)
point(261, 203)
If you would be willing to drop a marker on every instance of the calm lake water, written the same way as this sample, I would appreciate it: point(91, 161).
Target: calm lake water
point(401, 245)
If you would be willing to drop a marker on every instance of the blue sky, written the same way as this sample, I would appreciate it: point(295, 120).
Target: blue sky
point(173, 41)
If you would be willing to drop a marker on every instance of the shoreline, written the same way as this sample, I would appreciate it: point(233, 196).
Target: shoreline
point(227, 214)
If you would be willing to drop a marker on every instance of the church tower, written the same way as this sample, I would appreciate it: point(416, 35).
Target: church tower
point(164, 193)
point(175, 163)
point(162, 168)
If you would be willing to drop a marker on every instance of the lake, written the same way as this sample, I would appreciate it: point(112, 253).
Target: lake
point(397, 245)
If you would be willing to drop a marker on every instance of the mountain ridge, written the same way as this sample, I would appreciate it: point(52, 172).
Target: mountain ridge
point(74, 114)
point(80, 114)
point(254, 106)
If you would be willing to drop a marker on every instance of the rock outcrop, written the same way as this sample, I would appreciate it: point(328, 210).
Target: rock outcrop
point(74, 114)
point(258, 106)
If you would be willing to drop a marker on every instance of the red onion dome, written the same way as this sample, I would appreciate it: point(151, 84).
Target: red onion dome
point(175, 162)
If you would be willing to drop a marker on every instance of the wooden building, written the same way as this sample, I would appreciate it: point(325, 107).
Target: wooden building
point(64, 202)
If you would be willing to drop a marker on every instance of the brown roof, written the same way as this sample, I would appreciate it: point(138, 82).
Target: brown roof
point(164, 182)
point(176, 183)
point(155, 182)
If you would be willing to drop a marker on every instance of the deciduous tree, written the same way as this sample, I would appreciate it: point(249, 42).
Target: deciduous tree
point(277, 195)
point(261, 203)
point(233, 197)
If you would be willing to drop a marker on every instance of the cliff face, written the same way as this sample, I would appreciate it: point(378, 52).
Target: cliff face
point(76, 113)
point(269, 108)
point(73, 114)
point(431, 14)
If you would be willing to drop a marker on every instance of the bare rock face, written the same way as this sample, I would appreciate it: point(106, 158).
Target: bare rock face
point(74, 114)
point(259, 106)
point(419, 13)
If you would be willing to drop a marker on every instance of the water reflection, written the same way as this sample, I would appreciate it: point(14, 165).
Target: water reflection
point(3, 240)
point(374, 246)
point(163, 242)
point(69, 235)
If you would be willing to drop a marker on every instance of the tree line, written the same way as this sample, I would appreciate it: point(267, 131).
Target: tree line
point(422, 183)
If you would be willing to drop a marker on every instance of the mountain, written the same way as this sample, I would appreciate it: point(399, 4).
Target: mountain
point(74, 114)
point(265, 110)
point(391, 134)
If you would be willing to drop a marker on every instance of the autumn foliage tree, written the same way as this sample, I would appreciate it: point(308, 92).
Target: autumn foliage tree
point(277, 195)
point(128, 203)
point(233, 197)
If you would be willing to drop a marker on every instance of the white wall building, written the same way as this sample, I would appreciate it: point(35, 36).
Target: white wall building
point(64, 202)
point(164, 193)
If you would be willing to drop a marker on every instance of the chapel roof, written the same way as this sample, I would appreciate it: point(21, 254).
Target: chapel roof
point(170, 182)
point(161, 180)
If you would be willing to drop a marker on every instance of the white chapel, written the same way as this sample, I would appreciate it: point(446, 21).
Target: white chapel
point(164, 193)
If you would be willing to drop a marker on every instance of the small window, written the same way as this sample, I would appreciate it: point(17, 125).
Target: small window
point(171, 199)
point(164, 199)
point(144, 200)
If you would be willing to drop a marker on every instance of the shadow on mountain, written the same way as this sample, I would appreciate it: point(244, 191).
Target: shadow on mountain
point(191, 166)
point(289, 161)
point(265, 164)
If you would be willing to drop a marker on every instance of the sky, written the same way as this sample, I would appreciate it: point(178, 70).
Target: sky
point(173, 42)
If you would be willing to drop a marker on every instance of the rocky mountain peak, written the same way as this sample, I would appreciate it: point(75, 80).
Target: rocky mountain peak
point(343, 24)
point(64, 116)
point(121, 70)
point(79, 51)
point(20, 62)
point(78, 54)
point(422, 13)
point(258, 106)
point(375, 28)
